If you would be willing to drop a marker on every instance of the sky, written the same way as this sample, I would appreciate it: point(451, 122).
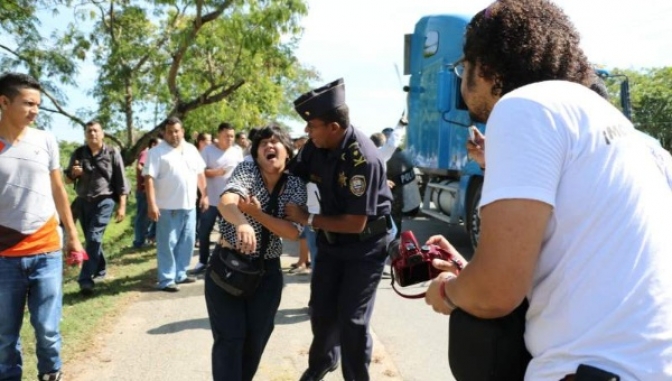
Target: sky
point(362, 42)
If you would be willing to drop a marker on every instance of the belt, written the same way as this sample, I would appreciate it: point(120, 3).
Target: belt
point(372, 229)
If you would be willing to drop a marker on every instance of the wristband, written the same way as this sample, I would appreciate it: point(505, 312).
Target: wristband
point(444, 295)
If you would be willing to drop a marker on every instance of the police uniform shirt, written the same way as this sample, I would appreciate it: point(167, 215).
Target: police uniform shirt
point(351, 178)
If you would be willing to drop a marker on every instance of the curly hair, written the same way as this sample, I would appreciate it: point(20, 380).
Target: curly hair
point(518, 42)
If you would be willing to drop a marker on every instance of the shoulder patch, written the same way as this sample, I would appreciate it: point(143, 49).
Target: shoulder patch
point(358, 185)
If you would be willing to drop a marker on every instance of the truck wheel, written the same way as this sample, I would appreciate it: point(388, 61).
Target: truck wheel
point(473, 218)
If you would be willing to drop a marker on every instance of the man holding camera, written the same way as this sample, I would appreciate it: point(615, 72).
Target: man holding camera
point(353, 223)
point(98, 172)
point(575, 210)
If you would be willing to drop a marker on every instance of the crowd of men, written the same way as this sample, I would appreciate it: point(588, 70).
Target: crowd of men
point(574, 218)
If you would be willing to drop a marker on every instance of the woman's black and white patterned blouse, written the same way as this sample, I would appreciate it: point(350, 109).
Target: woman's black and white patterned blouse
point(246, 180)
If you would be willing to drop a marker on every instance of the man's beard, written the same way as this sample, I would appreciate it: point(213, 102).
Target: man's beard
point(477, 118)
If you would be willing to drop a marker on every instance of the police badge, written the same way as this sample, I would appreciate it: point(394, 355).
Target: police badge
point(358, 185)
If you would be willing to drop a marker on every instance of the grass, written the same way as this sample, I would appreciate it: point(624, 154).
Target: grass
point(129, 271)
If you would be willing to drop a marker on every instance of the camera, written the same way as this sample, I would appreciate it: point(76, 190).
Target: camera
point(412, 263)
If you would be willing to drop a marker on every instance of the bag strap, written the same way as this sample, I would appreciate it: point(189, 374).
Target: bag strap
point(273, 211)
point(406, 296)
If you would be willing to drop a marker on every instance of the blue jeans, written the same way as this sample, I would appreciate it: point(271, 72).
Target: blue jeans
point(311, 239)
point(94, 216)
point(175, 236)
point(207, 223)
point(144, 228)
point(38, 280)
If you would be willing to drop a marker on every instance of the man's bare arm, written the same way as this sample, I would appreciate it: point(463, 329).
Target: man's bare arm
point(500, 274)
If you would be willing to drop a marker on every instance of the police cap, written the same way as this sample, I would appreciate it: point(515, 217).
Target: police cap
point(321, 100)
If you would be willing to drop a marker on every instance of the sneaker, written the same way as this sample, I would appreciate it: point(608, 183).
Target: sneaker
point(188, 279)
point(198, 269)
point(86, 289)
point(297, 264)
point(299, 270)
point(170, 288)
point(50, 376)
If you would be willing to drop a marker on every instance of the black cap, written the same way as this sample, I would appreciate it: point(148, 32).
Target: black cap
point(321, 100)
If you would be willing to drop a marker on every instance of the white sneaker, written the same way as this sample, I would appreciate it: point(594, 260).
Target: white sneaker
point(199, 268)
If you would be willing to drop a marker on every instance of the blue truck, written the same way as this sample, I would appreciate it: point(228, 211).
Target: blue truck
point(438, 122)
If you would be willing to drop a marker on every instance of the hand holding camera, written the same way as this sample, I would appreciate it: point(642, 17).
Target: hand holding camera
point(412, 263)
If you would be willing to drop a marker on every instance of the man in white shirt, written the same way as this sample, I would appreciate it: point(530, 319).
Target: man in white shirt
point(575, 210)
point(173, 173)
point(220, 159)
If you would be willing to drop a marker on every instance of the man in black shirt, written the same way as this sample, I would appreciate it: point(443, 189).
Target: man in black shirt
point(97, 171)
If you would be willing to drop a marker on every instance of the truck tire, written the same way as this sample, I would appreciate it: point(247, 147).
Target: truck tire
point(473, 218)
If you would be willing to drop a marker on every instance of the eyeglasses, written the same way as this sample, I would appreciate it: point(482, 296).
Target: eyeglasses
point(458, 67)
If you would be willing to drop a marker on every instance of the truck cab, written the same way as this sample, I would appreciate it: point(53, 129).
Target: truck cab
point(438, 122)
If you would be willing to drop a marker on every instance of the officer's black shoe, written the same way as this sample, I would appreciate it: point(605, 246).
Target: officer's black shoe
point(309, 375)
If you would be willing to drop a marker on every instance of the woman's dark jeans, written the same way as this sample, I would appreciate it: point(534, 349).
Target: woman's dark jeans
point(241, 327)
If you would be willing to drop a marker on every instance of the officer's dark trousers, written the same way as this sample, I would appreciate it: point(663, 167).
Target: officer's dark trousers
point(94, 216)
point(343, 290)
point(241, 327)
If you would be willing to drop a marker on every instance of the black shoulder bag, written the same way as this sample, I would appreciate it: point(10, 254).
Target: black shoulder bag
point(236, 273)
point(488, 349)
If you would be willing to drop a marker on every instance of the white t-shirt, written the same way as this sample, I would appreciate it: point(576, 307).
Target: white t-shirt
point(175, 172)
point(602, 289)
point(313, 202)
point(215, 158)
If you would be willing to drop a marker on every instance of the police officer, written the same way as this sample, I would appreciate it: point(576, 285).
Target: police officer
point(354, 220)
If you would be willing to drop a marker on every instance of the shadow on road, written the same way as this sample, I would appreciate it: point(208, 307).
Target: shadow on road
point(179, 326)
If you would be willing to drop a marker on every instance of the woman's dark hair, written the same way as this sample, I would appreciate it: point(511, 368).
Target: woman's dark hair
point(340, 115)
point(253, 131)
point(272, 130)
point(518, 42)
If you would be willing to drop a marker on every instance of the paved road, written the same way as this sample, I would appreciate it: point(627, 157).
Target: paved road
point(166, 336)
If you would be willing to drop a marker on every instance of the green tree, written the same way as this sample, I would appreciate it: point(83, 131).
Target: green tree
point(651, 97)
point(23, 46)
point(203, 61)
